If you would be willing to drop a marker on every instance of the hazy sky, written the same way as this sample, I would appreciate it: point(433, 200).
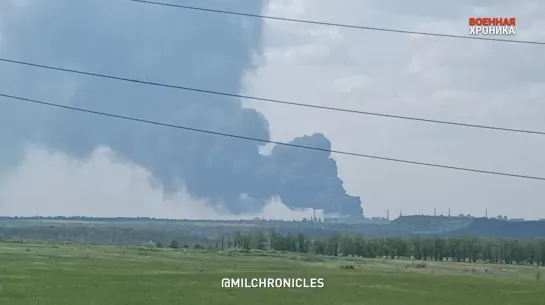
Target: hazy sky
point(457, 80)
point(446, 79)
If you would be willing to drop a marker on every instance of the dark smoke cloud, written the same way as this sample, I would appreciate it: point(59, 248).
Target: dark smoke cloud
point(162, 45)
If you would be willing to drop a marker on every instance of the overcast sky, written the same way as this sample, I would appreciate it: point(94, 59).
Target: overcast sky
point(446, 79)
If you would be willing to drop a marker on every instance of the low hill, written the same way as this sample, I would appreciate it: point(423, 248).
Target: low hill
point(504, 228)
point(143, 229)
point(460, 225)
point(430, 224)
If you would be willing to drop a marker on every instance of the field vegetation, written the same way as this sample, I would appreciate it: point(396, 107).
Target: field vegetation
point(68, 274)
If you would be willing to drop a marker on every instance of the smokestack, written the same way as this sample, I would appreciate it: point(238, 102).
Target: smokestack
point(434, 212)
point(448, 212)
point(388, 214)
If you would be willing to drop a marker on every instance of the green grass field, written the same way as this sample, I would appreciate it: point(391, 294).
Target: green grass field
point(84, 275)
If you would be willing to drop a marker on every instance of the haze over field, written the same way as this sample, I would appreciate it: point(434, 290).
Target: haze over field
point(55, 162)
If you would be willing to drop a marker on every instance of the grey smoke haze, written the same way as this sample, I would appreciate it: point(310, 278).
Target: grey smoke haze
point(497, 84)
point(160, 45)
point(103, 185)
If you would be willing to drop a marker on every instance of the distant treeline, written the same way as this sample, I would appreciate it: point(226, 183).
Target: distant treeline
point(458, 249)
point(465, 248)
point(85, 218)
point(406, 226)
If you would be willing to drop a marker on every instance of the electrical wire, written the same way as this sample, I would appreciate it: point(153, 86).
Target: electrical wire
point(268, 141)
point(359, 27)
point(171, 86)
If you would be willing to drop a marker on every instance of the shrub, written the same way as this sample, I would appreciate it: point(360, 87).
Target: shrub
point(420, 265)
point(174, 244)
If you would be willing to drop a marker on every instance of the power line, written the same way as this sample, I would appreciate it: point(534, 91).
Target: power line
point(268, 141)
point(359, 27)
point(385, 115)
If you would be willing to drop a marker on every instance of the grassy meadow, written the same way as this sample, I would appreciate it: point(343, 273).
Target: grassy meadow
point(108, 275)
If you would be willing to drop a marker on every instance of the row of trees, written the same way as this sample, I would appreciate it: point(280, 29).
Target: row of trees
point(462, 248)
point(459, 249)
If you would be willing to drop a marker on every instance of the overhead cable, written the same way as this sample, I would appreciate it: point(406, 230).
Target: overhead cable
point(342, 25)
point(268, 100)
point(223, 134)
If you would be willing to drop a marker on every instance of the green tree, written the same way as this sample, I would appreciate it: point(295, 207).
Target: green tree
point(174, 244)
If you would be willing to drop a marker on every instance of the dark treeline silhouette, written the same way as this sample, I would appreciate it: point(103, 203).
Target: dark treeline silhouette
point(406, 226)
point(461, 248)
point(471, 249)
point(416, 237)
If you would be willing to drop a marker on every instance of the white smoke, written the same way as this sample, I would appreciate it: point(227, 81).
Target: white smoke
point(52, 183)
point(276, 210)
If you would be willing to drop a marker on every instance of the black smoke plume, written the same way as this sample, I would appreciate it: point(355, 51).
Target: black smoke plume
point(161, 45)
